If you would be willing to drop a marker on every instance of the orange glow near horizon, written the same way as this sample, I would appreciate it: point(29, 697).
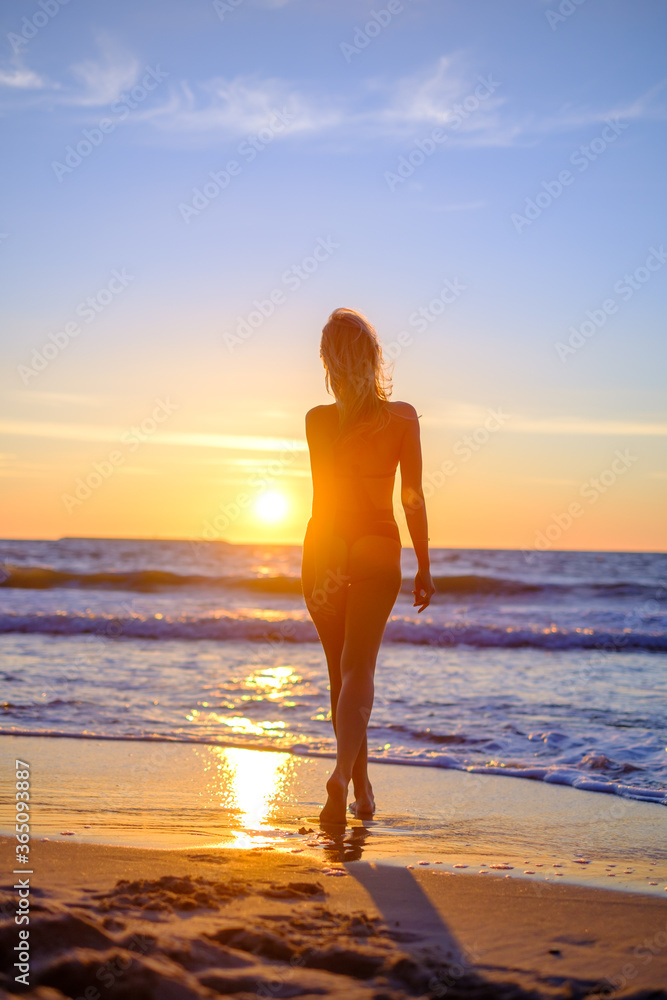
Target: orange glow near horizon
point(504, 496)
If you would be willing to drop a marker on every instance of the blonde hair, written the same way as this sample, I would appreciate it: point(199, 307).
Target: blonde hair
point(355, 371)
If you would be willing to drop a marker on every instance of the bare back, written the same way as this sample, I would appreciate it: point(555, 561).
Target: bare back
point(359, 473)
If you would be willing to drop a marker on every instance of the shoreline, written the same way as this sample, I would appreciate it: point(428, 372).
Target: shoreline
point(535, 772)
point(175, 796)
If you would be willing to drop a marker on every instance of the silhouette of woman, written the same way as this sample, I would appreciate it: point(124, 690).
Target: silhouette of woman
point(351, 571)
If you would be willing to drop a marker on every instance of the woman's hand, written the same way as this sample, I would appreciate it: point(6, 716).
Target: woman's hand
point(424, 590)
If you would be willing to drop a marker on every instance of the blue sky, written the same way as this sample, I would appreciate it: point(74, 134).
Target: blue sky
point(516, 92)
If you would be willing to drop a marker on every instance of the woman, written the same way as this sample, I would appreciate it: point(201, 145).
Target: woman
point(351, 571)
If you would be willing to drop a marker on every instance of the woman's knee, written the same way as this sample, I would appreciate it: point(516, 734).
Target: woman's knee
point(357, 667)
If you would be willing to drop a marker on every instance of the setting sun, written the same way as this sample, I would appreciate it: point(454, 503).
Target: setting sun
point(271, 506)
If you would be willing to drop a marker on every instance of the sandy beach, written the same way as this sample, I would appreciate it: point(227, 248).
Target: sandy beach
point(125, 922)
point(464, 885)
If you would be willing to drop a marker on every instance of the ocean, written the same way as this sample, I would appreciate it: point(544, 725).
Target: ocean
point(541, 665)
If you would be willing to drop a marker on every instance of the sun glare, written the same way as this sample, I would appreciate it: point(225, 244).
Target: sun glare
point(271, 506)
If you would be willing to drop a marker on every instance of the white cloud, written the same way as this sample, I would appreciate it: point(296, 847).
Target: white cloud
point(96, 82)
point(237, 107)
point(646, 106)
point(21, 79)
point(426, 97)
point(101, 81)
point(402, 108)
point(381, 107)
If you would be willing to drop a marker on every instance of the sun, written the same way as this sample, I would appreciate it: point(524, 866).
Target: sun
point(271, 506)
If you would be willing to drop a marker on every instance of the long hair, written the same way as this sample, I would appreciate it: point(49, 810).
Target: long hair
point(355, 372)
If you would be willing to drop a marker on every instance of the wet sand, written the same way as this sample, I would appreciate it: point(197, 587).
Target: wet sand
point(179, 795)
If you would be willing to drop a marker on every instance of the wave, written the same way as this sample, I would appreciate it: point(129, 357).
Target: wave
point(150, 580)
point(280, 630)
point(147, 580)
point(555, 774)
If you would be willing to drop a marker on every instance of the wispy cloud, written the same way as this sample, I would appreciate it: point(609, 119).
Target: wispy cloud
point(575, 425)
point(233, 108)
point(468, 415)
point(399, 108)
point(393, 108)
point(101, 81)
point(57, 398)
point(20, 78)
point(88, 432)
point(92, 83)
point(649, 105)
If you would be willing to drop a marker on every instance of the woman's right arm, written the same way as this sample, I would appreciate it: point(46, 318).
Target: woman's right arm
point(414, 505)
point(321, 467)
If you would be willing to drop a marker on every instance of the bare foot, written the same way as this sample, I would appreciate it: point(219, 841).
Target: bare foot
point(363, 806)
point(334, 810)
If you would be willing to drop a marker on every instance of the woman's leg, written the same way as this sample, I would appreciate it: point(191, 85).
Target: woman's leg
point(375, 579)
point(332, 643)
point(331, 631)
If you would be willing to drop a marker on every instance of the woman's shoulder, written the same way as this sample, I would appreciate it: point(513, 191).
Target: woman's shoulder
point(321, 419)
point(403, 409)
point(319, 412)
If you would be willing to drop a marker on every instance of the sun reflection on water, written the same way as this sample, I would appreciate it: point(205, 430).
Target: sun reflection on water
point(250, 785)
point(242, 726)
point(272, 681)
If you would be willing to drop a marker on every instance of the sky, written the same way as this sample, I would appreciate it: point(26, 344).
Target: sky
point(190, 188)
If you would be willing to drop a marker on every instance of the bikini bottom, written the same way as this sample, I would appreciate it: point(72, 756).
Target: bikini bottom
point(352, 525)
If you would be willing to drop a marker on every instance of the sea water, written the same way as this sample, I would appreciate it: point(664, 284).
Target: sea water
point(543, 665)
